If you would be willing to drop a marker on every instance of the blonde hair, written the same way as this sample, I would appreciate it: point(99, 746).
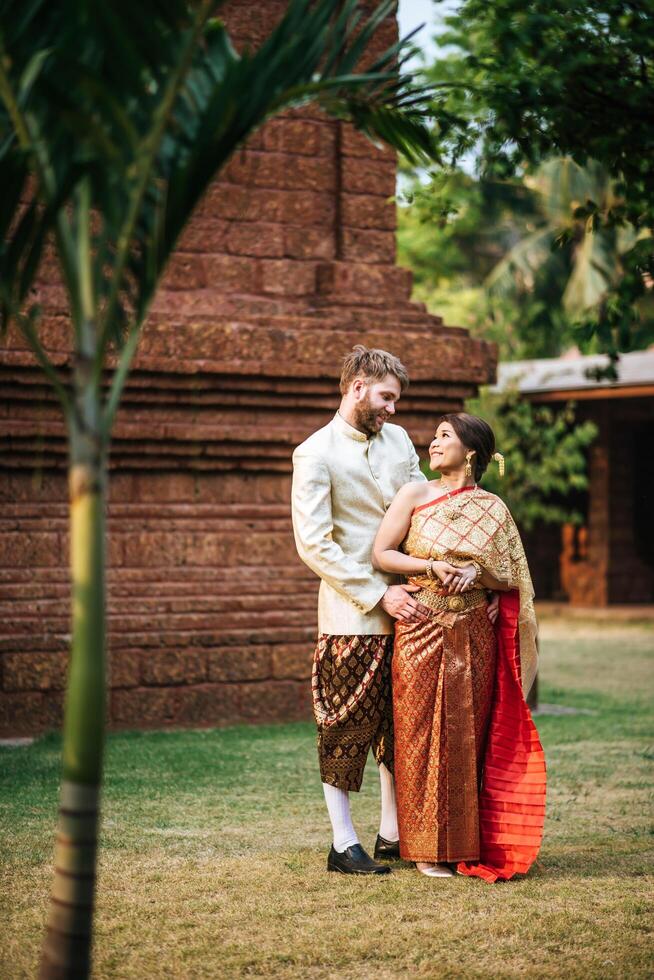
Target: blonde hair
point(373, 365)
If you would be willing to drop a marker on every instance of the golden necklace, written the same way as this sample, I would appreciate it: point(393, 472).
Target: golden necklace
point(453, 511)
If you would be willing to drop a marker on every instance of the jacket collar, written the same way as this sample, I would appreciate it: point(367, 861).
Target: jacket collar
point(348, 430)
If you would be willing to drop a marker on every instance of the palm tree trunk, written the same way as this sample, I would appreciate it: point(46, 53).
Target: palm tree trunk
point(67, 947)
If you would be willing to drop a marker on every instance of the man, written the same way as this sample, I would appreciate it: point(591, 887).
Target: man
point(344, 478)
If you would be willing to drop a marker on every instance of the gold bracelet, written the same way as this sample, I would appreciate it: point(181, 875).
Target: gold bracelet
point(430, 569)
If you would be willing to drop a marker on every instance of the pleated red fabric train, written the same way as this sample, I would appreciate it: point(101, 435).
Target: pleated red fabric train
point(512, 797)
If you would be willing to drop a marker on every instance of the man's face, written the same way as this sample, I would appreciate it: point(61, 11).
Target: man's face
point(375, 402)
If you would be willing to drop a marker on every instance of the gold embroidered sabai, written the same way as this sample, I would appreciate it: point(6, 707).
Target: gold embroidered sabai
point(475, 525)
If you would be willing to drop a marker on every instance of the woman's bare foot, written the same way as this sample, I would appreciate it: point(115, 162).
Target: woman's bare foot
point(434, 870)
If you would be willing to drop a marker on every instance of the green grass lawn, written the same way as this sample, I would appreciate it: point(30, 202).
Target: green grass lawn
point(214, 846)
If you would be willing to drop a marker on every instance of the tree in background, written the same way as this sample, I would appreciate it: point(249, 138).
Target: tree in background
point(549, 78)
point(545, 454)
point(456, 230)
point(514, 261)
point(114, 118)
point(574, 260)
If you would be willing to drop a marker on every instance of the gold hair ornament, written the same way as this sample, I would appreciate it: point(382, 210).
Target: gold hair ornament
point(499, 459)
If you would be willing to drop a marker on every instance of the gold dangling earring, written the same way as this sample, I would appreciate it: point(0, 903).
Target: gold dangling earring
point(468, 466)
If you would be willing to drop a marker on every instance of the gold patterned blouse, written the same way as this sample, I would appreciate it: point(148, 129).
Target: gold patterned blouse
point(472, 524)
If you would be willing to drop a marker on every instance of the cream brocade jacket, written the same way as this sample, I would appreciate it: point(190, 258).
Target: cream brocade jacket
point(343, 484)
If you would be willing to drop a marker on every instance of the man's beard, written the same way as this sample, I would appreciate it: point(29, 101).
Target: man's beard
point(366, 417)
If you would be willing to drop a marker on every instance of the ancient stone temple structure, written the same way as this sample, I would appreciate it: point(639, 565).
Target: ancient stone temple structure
point(289, 261)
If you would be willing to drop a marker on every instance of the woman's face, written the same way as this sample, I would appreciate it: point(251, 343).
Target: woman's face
point(446, 451)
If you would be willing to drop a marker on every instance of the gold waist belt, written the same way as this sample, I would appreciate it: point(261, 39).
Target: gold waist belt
point(451, 603)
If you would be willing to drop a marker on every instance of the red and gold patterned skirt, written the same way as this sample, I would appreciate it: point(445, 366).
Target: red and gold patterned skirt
point(443, 682)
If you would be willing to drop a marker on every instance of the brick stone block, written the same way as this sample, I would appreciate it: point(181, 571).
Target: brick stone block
point(207, 236)
point(360, 175)
point(28, 549)
point(232, 202)
point(355, 144)
point(289, 135)
point(305, 705)
point(384, 284)
point(34, 671)
point(239, 663)
point(224, 488)
point(270, 701)
point(307, 208)
point(27, 713)
point(238, 203)
point(363, 245)
point(173, 667)
point(229, 273)
point(275, 489)
point(292, 661)
point(144, 707)
point(256, 238)
point(286, 278)
point(281, 170)
point(125, 668)
point(161, 487)
point(245, 27)
point(209, 548)
point(184, 272)
point(367, 211)
point(309, 243)
point(210, 704)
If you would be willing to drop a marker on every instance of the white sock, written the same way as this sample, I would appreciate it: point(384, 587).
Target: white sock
point(388, 821)
point(338, 805)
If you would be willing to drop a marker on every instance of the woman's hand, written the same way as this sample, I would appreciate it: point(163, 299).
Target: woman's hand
point(462, 579)
point(444, 571)
point(493, 608)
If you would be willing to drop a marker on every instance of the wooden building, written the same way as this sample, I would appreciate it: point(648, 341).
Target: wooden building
point(609, 558)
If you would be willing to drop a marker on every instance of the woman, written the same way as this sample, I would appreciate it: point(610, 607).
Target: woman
point(469, 768)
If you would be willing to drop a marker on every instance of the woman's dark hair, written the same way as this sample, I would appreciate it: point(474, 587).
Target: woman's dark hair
point(475, 434)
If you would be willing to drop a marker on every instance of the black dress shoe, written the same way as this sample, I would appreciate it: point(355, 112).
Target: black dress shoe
point(354, 861)
point(387, 850)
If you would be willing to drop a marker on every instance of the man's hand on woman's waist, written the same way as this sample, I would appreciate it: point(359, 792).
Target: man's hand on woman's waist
point(398, 602)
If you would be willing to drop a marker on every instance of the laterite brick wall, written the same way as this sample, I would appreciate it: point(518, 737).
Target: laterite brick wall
point(287, 263)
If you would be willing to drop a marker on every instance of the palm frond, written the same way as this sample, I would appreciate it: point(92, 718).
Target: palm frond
point(594, 271)
point(519, 267)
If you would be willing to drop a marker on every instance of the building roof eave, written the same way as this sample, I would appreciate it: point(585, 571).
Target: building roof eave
point(563, 378)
